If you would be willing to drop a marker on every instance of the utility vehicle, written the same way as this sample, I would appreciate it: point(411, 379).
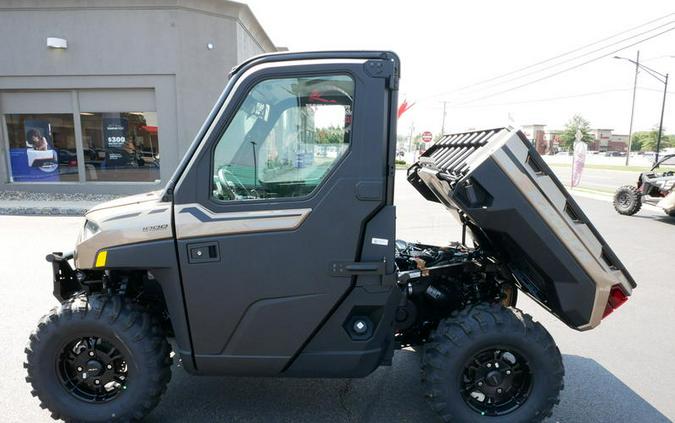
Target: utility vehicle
point(272, 252)
point(655, 188)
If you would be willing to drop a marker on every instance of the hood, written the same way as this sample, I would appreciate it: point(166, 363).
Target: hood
point(128, 220)
point(125, 201)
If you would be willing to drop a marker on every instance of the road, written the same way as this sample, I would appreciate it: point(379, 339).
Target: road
point(621, 371)
point(602, 180)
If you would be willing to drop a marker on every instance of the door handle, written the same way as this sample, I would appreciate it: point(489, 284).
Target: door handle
point(358, 268)
point(203, 252)
point(362, 267)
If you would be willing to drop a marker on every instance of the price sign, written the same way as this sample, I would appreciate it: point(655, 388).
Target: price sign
point(115, 132)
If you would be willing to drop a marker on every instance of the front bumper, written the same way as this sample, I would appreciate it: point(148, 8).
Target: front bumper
point(65, 282)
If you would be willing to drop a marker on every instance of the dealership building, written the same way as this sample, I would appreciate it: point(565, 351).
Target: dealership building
point(105, 96)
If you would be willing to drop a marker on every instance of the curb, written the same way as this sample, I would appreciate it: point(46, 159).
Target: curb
point(42, 211)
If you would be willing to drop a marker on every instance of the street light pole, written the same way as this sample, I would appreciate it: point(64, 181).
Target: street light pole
point(663, 109)
point(632, 109)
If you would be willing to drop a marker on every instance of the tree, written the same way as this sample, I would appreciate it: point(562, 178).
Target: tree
point(568, 135)
point(330, 135)
point(646, 140)
point(636, 142)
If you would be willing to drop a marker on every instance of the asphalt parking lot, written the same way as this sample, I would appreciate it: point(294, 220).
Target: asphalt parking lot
point(621, 371)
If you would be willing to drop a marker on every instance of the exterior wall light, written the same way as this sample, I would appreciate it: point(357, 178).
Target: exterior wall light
point(54, 42)
point(209, 46)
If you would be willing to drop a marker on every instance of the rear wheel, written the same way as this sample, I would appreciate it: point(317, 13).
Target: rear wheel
point(489, 361)
point(627, 200)
point(98, 359)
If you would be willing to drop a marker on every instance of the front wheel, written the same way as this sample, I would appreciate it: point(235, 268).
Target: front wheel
point(98, 359)
point(489, 361)
point(627, 200)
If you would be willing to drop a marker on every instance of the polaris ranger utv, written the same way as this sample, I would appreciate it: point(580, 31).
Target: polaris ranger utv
point(272, 252)
point(655, 188)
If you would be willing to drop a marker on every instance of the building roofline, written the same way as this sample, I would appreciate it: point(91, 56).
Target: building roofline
point(223, 8)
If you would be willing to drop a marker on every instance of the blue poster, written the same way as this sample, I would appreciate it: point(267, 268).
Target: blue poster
point(37, 161)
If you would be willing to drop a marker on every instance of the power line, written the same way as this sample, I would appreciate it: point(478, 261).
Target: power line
point(566, 69)
point(534, 72)
point(566, 97)
point(567, 53)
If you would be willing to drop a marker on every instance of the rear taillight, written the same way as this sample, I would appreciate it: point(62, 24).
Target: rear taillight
point(616, 299)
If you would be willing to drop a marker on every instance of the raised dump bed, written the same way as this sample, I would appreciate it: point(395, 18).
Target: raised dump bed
point(514, 205)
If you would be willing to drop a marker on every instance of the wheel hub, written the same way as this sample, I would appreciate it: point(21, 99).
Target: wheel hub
point(496, 382)
point(495, 378)
point(94, 367)
point(624, 200)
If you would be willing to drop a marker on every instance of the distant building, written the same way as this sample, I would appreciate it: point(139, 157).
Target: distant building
point(618, 143)
point(606, 140)
point(105, 88)
point(552, 138)
point(535, 133)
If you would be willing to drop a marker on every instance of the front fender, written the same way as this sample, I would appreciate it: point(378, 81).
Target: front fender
point(159, 258)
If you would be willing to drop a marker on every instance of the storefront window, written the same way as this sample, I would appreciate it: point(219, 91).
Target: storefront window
point(120, 147)
point(42, 147)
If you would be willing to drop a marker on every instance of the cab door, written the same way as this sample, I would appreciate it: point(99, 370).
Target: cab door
point(274, 203)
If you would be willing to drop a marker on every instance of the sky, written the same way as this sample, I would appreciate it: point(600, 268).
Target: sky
point(448, 45)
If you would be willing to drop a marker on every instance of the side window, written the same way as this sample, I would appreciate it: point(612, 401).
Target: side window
point(284, 139)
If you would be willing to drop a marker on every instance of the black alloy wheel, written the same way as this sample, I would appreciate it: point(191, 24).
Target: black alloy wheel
point(495, 382)
point(92, 369)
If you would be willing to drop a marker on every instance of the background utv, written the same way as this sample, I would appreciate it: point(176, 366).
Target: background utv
point(272, 252)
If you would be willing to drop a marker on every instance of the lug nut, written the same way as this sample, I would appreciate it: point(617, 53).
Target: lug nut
point(91, 353)
point(480, 383)
point(508, 372)
point(109, 366)
point(79, 369)
point(360, 327)
point(489, 365)
point(499, 390)
point(97, 382)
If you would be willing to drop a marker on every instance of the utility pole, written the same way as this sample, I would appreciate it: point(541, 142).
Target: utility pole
point(443, 123)
point(662, 79)
point(632, 109)
point(410, 140)
point(663, 109)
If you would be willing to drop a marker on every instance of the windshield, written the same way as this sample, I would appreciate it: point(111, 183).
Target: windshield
point(668, 161)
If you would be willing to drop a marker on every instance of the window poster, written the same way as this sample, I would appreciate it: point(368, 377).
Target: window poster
point(37, 159)
point(115, 132)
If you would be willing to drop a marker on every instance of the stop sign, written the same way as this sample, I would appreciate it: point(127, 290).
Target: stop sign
point(427, 136)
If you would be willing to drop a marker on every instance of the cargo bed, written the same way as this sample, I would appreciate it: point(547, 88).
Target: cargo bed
point(515, 206)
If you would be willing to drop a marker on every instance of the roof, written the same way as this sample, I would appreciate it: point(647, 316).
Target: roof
point(222, 8)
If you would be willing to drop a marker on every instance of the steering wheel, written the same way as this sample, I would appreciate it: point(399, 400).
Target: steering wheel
point(221, 189)
point(226, 182)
